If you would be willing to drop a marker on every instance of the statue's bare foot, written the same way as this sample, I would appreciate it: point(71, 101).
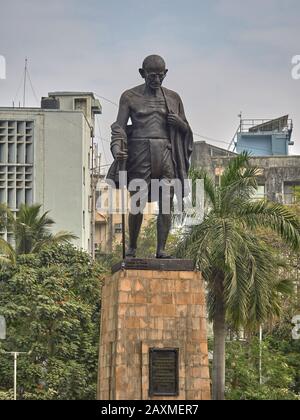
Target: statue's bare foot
point(163, 256)
point(131, 253)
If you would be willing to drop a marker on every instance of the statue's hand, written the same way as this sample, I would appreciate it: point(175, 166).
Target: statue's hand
point(175, 121)
point(121, 155)
point(118, 154)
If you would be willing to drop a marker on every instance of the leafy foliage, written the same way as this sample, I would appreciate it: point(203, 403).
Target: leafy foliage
point(7, 254)
point(51, 302)
point(31, 232)
point(242, 377)
point(240, 268)
point(228, 248)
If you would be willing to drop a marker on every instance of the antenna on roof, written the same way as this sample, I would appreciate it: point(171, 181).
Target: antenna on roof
point(241, 120)
point(25, 80)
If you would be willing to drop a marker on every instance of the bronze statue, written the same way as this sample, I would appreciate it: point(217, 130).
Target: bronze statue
point(157, 145)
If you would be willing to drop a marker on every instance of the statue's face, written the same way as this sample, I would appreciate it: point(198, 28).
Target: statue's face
point(154, 76)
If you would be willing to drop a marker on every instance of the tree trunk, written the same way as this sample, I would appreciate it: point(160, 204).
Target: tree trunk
point(218, 374)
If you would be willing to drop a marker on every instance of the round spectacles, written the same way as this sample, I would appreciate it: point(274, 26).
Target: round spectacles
point(153, 76)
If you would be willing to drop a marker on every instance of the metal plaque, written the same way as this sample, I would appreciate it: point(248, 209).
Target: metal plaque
point(164, 372)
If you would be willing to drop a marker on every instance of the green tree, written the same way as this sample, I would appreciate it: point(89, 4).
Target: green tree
point(31, 231)
point(7, 254)
point(51, 302)
point(235, 261)
point(242, 373)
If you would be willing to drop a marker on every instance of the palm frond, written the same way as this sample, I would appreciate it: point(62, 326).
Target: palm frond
point(6, 217)
point(7, 253)
point(209, 185)
point(272, 216)
point(230, 250)
point(61, 237)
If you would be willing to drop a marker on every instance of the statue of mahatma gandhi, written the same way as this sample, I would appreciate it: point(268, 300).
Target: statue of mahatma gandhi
point(158, 145)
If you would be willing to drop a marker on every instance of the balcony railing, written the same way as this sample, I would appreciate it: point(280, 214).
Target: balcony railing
point(254, 126)
point(263, 126)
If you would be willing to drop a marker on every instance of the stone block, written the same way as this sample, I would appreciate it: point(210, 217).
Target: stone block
point(144, 309)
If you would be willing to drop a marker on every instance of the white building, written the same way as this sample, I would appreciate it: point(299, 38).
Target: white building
point(45, 158)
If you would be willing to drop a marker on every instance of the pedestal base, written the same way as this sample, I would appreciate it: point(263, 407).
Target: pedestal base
point(145, 310)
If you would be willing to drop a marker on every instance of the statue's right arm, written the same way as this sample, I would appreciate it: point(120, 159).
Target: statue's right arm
point(122, 120)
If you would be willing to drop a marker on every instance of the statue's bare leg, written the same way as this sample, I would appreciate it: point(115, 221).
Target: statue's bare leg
point(135, 223)
point(163, 229)
point(164, 223)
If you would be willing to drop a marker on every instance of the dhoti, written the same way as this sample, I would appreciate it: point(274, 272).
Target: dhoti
point(150, 159)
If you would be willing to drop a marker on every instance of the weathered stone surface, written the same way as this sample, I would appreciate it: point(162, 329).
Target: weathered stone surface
point(152, 309)
point(275, 172)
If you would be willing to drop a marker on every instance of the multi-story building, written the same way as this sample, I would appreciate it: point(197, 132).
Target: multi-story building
point(264, 137)
point(278, 178)
point(45, 156)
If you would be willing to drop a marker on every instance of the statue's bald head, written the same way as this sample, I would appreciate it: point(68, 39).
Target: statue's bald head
point(154, 62)
point(154, 71)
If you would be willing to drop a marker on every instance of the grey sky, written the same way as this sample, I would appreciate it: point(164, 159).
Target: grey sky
point(223, 56)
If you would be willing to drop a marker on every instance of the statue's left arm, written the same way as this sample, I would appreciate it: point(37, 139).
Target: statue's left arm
point(178, 120)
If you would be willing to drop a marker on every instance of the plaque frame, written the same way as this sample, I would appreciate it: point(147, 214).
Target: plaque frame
point(152, 392)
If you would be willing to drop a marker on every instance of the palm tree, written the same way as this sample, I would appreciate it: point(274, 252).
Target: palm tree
point(31, 232)
point(7, 254)
point(235, 261)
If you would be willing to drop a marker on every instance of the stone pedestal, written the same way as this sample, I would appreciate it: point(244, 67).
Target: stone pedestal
point(157, 307)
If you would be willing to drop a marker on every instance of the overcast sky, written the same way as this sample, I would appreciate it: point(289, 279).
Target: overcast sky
point(224, 56)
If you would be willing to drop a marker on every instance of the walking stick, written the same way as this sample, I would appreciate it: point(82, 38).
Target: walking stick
point(123, 187)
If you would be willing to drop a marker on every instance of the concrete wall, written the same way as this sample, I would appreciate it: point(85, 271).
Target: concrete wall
point(63, 193)
point(61, 178)
point(207, 157)
point(68, 103)
point(276, 172)
point(268, 144)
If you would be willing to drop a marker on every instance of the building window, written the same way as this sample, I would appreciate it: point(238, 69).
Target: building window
point(28, 197)
point(16, 169)
point(118, 228)
point(2, 196)
point(2, 153)
point(260, 193)
point(83, 219)
point(80, 104)
point(291, 193)
point(29, 153)
point(98, 200)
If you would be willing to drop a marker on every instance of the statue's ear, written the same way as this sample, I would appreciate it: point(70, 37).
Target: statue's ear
point(142, 73)
point(166, 72)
